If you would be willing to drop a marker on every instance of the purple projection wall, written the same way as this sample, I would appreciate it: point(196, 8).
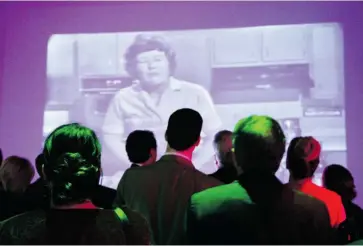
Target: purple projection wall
point(298, 62)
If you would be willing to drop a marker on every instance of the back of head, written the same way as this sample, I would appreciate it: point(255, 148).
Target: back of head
point(139, 145)
point(336, 178)
point(72, 178)
point(223, 147)
point(72, 165)
point(220, 140)
point(259, 144)
point(303, 157)
point(184, 128)
point(16, 174)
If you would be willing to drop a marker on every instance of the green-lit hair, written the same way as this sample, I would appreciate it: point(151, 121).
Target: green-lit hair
point(72, 163)
point(258, 141)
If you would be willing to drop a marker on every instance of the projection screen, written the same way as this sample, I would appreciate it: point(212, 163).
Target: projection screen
point(293, 73)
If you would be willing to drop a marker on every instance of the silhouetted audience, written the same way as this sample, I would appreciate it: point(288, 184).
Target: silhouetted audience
point(303, 156)
point(72, 169)
point(227, 171)
point(16, 174)
point(258, 208)
point(339, 179)
point(169, 201)
point(141, 148)
point(161, 191)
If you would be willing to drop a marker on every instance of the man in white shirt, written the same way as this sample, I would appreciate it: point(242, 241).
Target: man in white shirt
point(154, 96)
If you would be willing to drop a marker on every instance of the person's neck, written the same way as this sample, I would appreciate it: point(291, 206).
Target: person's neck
point(296, 182)
point(257, 173)
point(188, 153)
point(249, 167)
point(146, 163)
point(292, 179)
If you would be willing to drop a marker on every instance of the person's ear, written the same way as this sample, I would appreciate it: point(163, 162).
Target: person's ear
point(198, 142)
point(153, 155)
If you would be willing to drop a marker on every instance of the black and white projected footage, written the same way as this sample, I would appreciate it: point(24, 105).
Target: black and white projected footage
point(116, 83)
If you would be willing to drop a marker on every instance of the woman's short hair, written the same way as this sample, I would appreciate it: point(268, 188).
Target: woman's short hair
point(143, 43)
point(72, 163)
point(16, 174)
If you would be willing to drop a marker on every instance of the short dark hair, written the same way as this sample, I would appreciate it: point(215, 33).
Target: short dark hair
point(144, 43)
point(16, 174)
point(184, 128)
point(219, 136)
point(259, 143)
point(138, 145)
point(303, 157)
point(334, 175)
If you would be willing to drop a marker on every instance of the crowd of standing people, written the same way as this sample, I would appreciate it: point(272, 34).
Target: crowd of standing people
point(168, 201)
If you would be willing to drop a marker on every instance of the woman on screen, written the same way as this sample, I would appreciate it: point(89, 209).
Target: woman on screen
point(154, 96)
